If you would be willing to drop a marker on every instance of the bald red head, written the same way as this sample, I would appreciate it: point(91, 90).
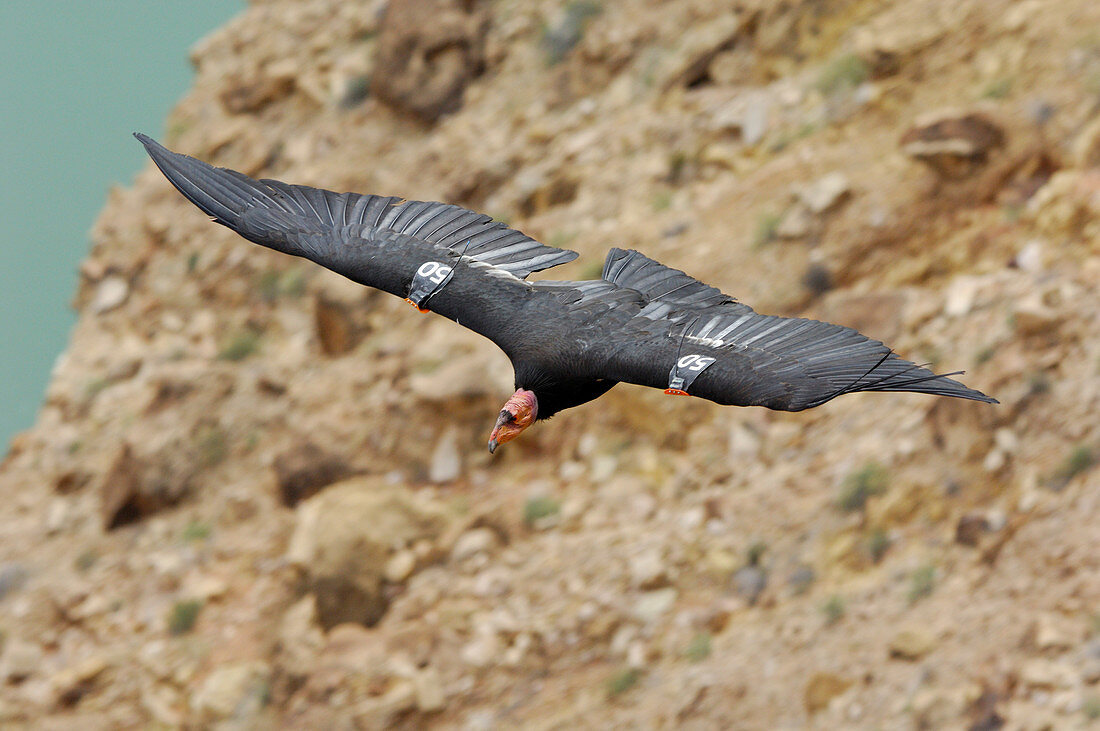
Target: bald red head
point(519, 412)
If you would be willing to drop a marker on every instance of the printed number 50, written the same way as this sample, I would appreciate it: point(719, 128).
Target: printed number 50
point(694, 362)
point(434, 271)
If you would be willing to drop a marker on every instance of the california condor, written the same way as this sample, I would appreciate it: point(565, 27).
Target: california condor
point(569, 342)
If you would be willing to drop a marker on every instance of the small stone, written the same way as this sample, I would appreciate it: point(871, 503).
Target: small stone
point(970, 529)
point(1032, 317)
point(120, 488)
point(754, 123)
point(647, 570)
point(473, 542)
point(653, 604)
point(953, 143)
point(304, 470)
point(826, 192)
point(636, 655)
point(1006, 440)
point(750, 582)
point(1046, 674)
point(446, 463)
point(482, 650)
point(1052, 631)
point(797, 223)
point(72, 683)
point(1030, 258)
point(228, 689)
point(720, 562)
point(20, 660)
point(430, 696)
point(821, 690)
point(12, 578)
point(110, 293)
point(912, 644)
point(1086, 148)
point(961, 294)
point(399, 567)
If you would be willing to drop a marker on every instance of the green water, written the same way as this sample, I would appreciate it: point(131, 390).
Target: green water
point(75, 79)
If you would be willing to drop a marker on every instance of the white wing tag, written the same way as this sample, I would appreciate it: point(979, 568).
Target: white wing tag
point(431, 277)
point(684, 371)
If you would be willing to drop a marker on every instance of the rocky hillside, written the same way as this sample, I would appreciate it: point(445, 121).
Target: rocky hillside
point(258, 495)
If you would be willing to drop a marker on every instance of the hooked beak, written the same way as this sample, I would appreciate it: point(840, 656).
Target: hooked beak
point(518, 414)
point(503, 420)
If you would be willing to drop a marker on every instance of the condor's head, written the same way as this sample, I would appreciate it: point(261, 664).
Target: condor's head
point(518, 413)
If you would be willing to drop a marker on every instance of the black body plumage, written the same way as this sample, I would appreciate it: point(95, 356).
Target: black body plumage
point(569, 342)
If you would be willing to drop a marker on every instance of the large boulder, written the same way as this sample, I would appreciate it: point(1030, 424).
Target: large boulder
point(347, 535)
point(428, 51)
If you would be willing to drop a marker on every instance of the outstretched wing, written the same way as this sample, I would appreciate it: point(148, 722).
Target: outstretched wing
point(476, 265)
point(690, 337)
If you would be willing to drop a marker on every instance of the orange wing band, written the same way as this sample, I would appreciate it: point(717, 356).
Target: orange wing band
point(419, 309)
point(675, 392)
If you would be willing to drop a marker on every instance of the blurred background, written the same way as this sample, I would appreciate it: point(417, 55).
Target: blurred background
point(257, 495)
point(78, 78)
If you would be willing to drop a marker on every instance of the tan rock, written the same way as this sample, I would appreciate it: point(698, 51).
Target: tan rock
point(400, 566)
point(75, 681)
point(344, 539)
point(428, 51)
point(232, 691)
point(20, 659)
point(821, 690)
point(430, 696)
point(912, 644)
point(952, 142)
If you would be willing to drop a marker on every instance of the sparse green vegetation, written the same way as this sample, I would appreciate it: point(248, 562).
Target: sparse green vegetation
point(699, 648)
point(561, 239)
point(212, 443)
point(984, 355)
point(921, 583)
point(662, 200)
point(182, 617)
point(871, 479)
point(86, 560)
point(833, 609)
point(592, 270)
point(1080, 459)
point(788, 135)
point(356, 91)
point(998, 88)
point(622, 681)
point(273, 284)
point(677, 164)
point(240, 346)
point(1091, 707)
point(94, 386)
point(537, 508)
point(192, 262)
point(560, 39)
point(755, 553)
point(1038, 383)
point(767, 224)
point(843, 73)
point(196, 530)
point(878, 543)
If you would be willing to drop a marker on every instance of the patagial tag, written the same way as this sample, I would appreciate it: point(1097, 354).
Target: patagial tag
point(685, 371)
point(431, 277)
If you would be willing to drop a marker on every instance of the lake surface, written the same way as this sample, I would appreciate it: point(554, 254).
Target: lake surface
point(77, 78)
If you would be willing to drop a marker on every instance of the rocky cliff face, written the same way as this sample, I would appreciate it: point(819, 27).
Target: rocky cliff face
point(258, 494)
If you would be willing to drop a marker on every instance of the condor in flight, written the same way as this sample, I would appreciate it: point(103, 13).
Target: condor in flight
point(569, 342)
